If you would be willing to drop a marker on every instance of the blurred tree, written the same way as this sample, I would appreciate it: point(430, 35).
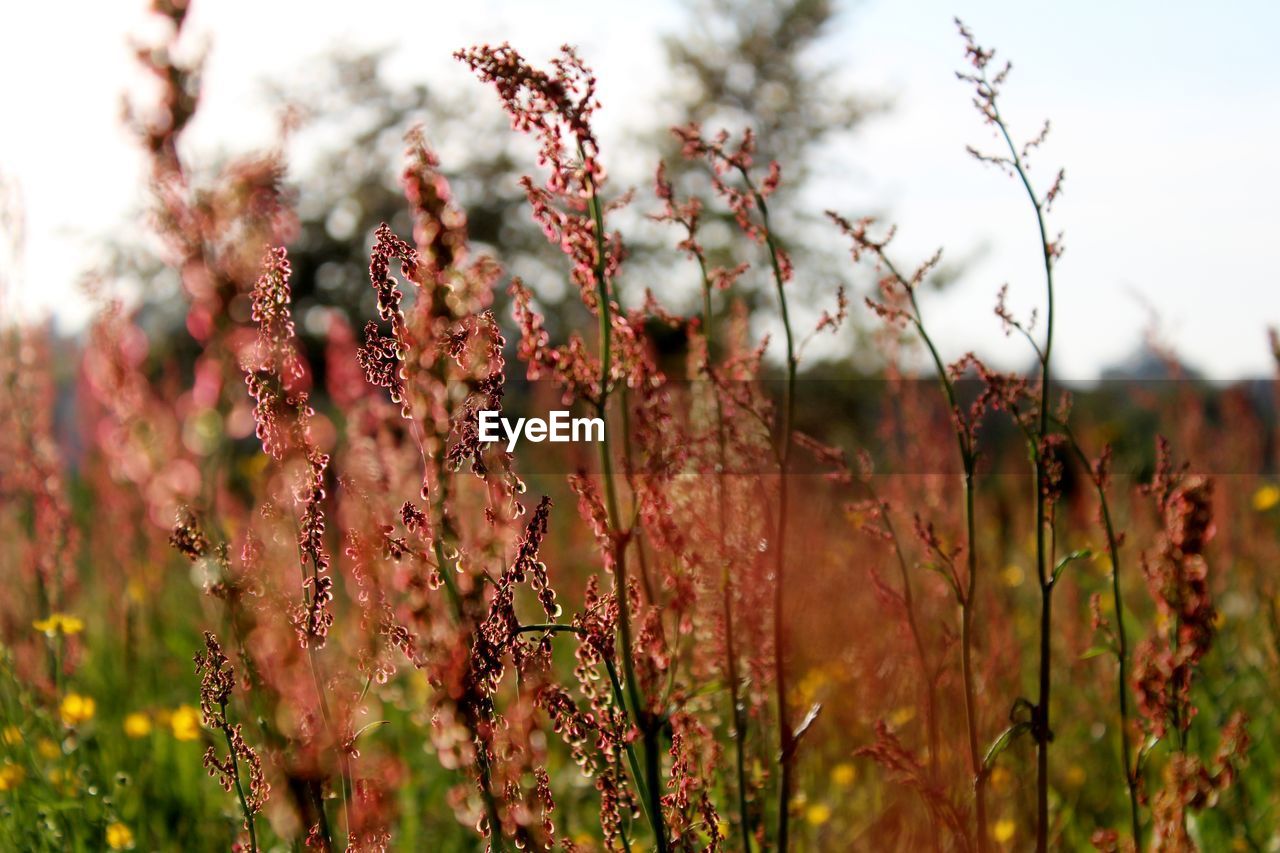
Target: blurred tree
point(738, 63)
point(757, 63)
point(767, 65)
point(345, 156)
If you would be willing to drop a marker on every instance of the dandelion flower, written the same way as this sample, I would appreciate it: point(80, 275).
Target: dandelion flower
point(64, 781)
point(184, 722)
point(1267, 497)
point(48, 749)
point(1013, 576)
point(76, 709)
point(11, 776)
point(1003, 831)
point(844, 774)
point(1075, 776)
point(137, 725)
point(901, 716)
point(119, 836)
point(817, 814)
point(59, 623)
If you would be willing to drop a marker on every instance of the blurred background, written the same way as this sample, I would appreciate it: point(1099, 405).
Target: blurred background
point(1163, 116)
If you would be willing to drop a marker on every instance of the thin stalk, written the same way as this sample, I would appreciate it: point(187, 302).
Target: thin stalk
point(616, 686)
point(786, 736)
point(1041, 730)
point(967, 597)
point(648, 732)
point(317, 795)
point(908, 600)
point(966, 660)
point(629, 471)
point(437, 509)
point(235, 776)
point(726, 578)
point(1122, 643)
point(316, 681)
point(482, 763)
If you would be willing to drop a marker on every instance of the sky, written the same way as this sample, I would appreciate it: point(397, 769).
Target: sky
point(1164, 116)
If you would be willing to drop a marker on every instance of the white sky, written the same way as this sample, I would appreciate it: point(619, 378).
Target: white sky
point(1165, 117)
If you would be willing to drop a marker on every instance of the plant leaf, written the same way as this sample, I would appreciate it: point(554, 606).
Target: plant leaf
point(1002, 742)
point(1095, 651)
point(943, 573)
point(1082, 554)
point(809, 719)
point(364, 729)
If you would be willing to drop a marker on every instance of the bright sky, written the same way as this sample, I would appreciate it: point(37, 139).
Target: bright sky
point(1164, 116)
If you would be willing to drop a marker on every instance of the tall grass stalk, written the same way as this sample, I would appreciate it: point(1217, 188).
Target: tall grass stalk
point(652, 786)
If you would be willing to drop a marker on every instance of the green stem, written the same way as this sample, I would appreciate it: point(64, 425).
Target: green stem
point(966, 658)
point(641, 715)
point(632, 761)
point(615, 685)
point(786, 736)
point(482, 761)
point(235, 776)
point(967, 598)
point(624, 408)
point(437, 509)
point(726, 579)
point(1042, 730)
point(1122, 643)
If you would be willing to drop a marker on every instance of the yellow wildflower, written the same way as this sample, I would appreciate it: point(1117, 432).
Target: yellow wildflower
point(1075, 776)
point(76, 709)
point(818, 814)
point(59, 623)
point(11, 776)
point(48, 749)
point(64, 781)
point(1001, 779)
point(901, 716)
point(1013, 576)
point(1003, 831)
point(137, 725)
point(184, 722)
point(1266, 497)
point(810, 686)
point(119, 836)
point(12, 736)
point(844, 774)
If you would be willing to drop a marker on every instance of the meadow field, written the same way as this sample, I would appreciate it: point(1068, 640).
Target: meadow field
point(267, 588)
